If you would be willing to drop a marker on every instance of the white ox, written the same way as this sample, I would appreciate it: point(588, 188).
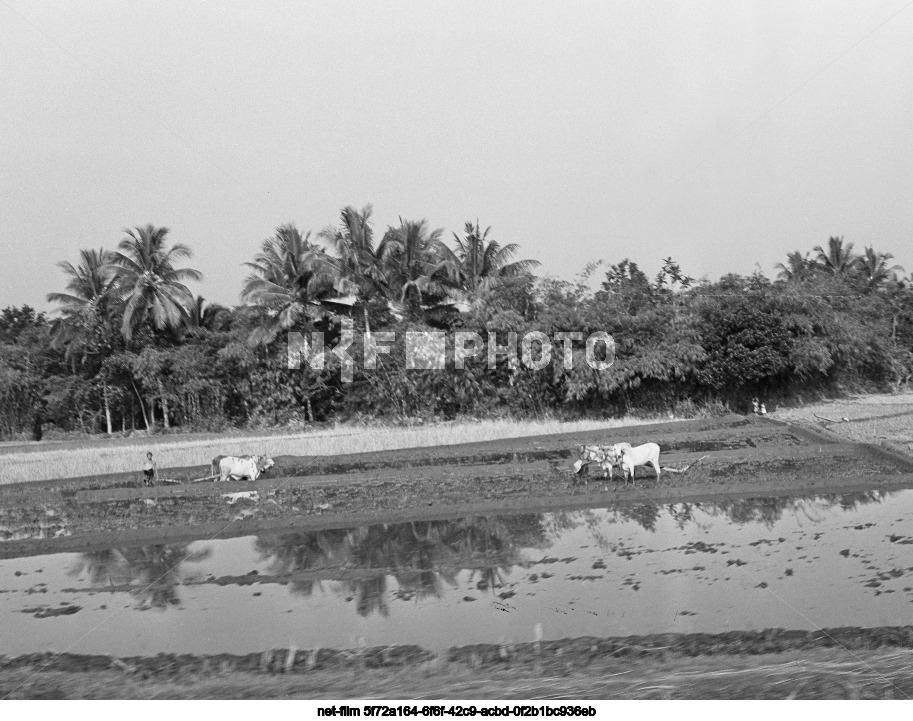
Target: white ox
point(591, 454)
point(238, 467)
point(605, 456)
point(647, 454)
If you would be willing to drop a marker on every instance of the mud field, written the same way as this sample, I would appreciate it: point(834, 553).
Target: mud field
point(473, 557)
point(737, 457)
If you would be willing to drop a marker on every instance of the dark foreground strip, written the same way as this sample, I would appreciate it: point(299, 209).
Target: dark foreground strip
point(576, 651)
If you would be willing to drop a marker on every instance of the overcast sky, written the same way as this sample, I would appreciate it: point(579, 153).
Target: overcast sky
point(723, 134)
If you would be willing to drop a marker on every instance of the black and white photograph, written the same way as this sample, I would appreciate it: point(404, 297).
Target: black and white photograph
point(451, 359)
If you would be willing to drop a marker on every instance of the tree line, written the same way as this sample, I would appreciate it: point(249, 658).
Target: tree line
point(130, 347)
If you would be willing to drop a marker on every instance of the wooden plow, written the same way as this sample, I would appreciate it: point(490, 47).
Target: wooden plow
point(670, 469)
point(177, 481)
point(205, 478)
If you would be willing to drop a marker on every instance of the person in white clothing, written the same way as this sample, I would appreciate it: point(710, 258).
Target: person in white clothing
point(150, 470)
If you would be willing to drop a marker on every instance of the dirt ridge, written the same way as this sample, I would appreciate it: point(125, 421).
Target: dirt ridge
point(579, 651)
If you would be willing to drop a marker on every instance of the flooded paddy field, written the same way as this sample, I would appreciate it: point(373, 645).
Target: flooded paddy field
point(489, 552)
point(727, 457)
point(789, 562)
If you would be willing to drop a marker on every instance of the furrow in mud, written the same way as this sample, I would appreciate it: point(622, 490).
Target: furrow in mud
point(685, 435)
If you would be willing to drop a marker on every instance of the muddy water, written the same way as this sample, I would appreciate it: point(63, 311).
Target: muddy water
point(797, 563)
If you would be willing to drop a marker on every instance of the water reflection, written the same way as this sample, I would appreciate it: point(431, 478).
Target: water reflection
point(425, 558)
point(743, 511)
point(151, 573)
point(769, 511)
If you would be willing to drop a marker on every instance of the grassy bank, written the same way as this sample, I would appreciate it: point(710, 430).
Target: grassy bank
point(70, 460)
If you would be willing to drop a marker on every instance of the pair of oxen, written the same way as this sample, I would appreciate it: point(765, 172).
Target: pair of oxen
point(238, 467)
point(624, 455)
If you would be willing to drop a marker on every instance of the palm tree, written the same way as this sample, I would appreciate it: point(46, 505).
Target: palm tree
point(291, 275)
point(417, 263)
point(203, 315)
point(874, 268)
point(838, 259)
point(87, 304)
point(150, 285)
point(797, 267)
point(482, 261)
point(359, 260)
point(87, 322)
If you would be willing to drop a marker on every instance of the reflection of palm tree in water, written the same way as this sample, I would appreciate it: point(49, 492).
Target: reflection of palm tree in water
point(419, 565)
point(372, 549)
point(370, 595)
point(851, 501)
point(157, 569)
point(103, 568)
point(682, 514)
point(644, 514)
point(152, 572)
point(294, 552)
point(490, 577)
point(314, 551)
point(765, 511)
point(490, 538)
point(422, 556)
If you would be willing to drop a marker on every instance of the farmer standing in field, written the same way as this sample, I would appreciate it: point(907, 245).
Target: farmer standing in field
point(150, 470)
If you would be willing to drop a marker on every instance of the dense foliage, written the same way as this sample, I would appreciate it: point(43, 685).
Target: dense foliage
point(129, 346)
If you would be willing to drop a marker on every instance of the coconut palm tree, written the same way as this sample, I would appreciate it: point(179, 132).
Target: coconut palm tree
point(353, 239)
point(86, 327)
point(838, 259)
point(359, 261)
point(482, 261)
point(874, 269)
point(88, 301)
point(418, 266)
point(290, 277)
point(203, 315)
point(796, 268)
point(150, 285)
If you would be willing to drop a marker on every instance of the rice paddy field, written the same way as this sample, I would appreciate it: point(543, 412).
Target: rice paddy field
point(881, 419)
point(20, 463)
point(771, 559)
